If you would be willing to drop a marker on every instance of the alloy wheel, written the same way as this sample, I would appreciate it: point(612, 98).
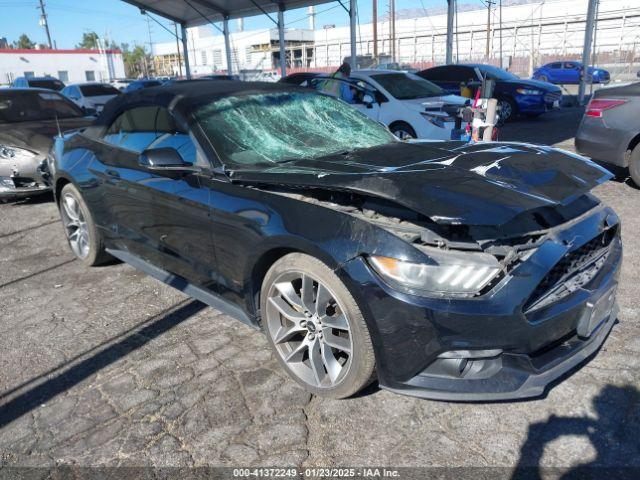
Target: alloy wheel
point(403, 134)
point(75, 226)
point(505, 110)
point(309, 329)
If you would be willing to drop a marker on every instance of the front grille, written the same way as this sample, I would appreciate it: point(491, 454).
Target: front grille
point(573, 271)
point(552, 97)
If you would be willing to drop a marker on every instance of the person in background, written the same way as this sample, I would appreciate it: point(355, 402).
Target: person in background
point(341, 90)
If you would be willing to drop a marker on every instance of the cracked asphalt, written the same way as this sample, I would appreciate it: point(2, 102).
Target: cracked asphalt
point(109, 367)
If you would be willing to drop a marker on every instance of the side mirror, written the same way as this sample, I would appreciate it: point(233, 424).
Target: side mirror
point(368, 100)
point(165, 158)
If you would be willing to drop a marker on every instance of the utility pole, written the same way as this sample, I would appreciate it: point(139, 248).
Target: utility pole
point(392, 28)
point(375, 30)
point(175, 27)
point(150, 46)
point(44, 23)
point(489, 3)
point(500, 19)
point(586, 51)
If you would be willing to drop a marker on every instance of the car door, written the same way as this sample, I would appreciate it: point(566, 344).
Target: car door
point(160, 216)
point(571, 72)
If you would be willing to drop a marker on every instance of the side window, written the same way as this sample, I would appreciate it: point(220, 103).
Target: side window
point(134, 129)
point(459, 74)
point(570, 65)
point(150, 127)
point(556, 65)
point(436, 73)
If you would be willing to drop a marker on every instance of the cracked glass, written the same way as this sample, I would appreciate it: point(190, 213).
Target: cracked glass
point(274, 128)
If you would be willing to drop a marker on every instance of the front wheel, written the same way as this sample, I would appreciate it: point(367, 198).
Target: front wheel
point(634, 165)
point(508, 110)
point(315, 327)
point(403, 131)
point(84, 239)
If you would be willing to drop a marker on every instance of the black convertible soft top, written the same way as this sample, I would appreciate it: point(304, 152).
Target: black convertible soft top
point(184, 93)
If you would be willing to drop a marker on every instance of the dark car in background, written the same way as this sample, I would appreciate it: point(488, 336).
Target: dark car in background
point(301, 79)
point(610, 128)
point(451, 270)
point(49, 83)
point(569, 73)
point(140, 84)
point(29, 119)
point(516, 96)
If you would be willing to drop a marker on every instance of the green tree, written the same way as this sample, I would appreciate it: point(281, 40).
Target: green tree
point(24, 42)
point(89, 41)
point(137, 61)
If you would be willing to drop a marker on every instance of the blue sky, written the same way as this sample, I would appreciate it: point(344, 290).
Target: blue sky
point(68, 19)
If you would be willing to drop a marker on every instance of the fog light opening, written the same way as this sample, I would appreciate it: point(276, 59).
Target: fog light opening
point(471, 354)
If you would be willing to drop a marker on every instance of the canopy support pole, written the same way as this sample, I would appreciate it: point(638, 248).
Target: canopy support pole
point(586, 51)
point(352, 30)
point(185, 49)
point(450, 14)
point(227, 45)
point(283, 51)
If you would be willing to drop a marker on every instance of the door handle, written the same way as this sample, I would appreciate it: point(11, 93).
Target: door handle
point(113, 173)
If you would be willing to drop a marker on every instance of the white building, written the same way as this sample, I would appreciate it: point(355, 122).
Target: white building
point(254, 50)
point(533, 32)
point(69, 66)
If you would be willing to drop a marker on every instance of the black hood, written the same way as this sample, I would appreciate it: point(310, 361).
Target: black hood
point(38, 136)
point(449, 182)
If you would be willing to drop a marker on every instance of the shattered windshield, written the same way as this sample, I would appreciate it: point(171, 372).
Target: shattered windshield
point(284, 126)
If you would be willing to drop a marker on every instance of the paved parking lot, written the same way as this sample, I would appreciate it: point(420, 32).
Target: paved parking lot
point(107, 366)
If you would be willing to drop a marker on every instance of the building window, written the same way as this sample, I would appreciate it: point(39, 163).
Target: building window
point(29, 74)
point(203, 55)
point(63, 76)
point(90, 75)
point(217, 57)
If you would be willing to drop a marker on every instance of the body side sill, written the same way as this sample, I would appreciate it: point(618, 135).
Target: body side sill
point(182, 284)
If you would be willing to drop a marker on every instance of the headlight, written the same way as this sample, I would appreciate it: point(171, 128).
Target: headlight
point(528, 91)
point(13, 153)
point(451, 273)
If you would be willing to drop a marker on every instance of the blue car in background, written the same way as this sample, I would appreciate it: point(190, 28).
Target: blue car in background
point(139, 84)
point(516, 96)
point(569, 73)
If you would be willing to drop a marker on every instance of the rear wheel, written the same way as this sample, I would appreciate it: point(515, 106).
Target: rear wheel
point(543, 78)
point(634, 165)
point(315, 327)
point(403, 130)
point(84, 239)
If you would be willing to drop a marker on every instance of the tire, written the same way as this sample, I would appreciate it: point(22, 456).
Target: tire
point(543, 78)
point(403, 130)
point(508, 110)
point(634, 165)
point(325, 330)
point(84, 239)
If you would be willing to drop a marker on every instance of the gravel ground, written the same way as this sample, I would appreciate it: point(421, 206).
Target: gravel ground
point(109, 367)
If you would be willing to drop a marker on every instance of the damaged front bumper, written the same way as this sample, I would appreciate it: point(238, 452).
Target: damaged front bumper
point(507, 344)
point(18, 184)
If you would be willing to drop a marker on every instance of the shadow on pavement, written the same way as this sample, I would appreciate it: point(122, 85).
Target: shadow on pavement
point(614, 434)
point(43, 392)
point(549, 129)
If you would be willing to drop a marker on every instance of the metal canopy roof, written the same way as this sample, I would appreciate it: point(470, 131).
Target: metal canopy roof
point(191, 12)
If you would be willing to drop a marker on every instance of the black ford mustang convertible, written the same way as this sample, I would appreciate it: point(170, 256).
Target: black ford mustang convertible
point(445, 270)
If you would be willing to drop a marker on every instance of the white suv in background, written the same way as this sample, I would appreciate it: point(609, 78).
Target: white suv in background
point(410, 106)
point(90, 97)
